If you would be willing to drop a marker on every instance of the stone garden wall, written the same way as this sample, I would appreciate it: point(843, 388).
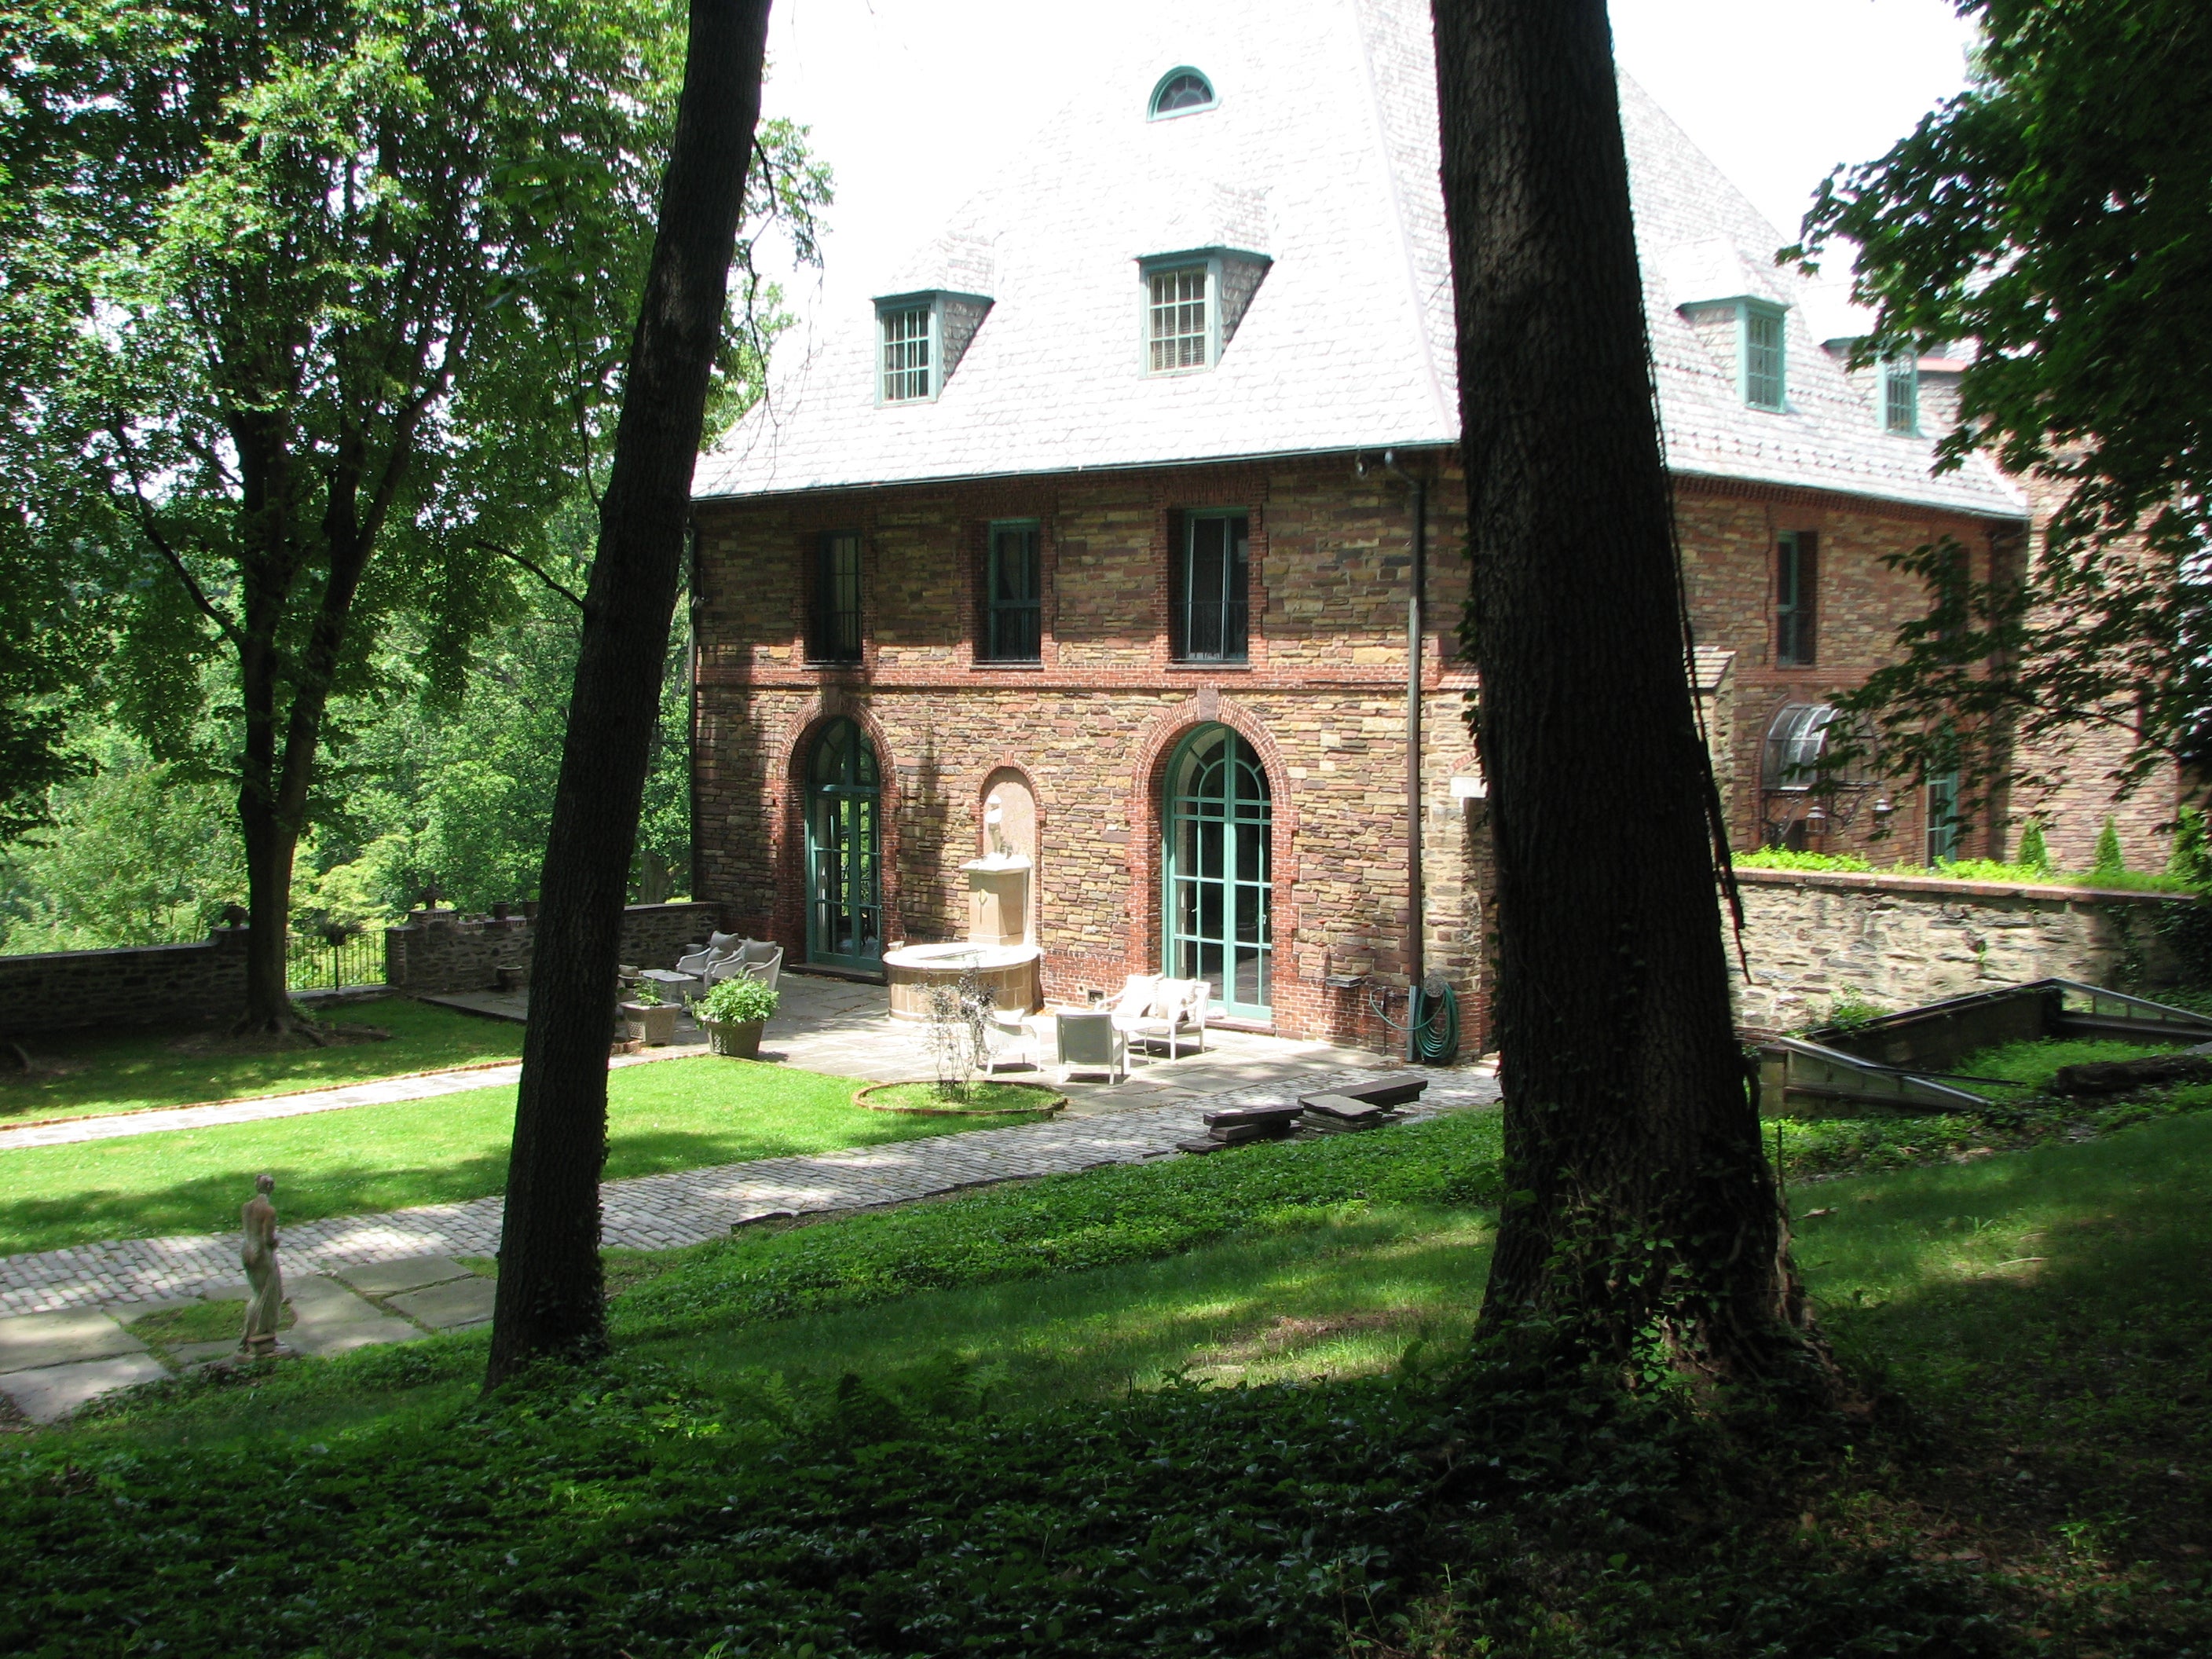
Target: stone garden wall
point(1815, 937)
point(141, 985)
point(439, 951)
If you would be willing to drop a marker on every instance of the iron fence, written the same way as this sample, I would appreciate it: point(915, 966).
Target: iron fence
point(319, 963)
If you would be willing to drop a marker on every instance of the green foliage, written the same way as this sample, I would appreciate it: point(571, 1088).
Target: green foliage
point(2048, 222)
point(137, 854)
point(1852, 1013)
point(2033, 853)
point(2190, 858)
point(2109, 860)
point(740, 1001)
point(1782, 858)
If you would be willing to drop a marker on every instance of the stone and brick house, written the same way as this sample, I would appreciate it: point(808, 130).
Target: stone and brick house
point(1108, 512)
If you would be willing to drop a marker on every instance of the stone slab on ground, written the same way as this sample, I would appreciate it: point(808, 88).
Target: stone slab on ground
point(345, 1336)
point(53, 1339)
point(130, 1313)
point(189, 1354)
point(410, 1272)
point(450, 1306)
point(52, 1392)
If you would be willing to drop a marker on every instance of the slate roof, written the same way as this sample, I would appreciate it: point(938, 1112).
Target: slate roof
point(1322, 155)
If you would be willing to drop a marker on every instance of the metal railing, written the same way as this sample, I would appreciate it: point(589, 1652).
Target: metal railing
point(316, 962)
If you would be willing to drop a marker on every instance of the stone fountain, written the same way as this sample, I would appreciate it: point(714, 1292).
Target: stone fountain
point(1000, 949)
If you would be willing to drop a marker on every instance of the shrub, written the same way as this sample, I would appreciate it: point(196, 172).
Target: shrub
point(1782, 858)
point(738, 1000)
point(2032, 851)
point(2191, 860)
point(2109, 860)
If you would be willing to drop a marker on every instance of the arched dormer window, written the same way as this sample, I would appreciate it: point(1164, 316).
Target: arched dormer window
point(1182, 91)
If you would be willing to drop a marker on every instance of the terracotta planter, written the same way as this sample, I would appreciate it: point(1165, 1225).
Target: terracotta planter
point(655, 1022)
point(738, 1038)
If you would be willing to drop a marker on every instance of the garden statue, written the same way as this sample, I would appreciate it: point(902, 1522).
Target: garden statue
point(265, 1306)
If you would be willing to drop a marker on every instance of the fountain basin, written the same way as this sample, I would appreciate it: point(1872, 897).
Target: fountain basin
point(1009, 971)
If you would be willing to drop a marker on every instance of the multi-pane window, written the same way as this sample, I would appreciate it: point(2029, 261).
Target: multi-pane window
point(1763, 384)
point(834, 635)
point(1942, 817)
point(1181, 91)
point(1012, 595)
point(1797, 589)
point(1211, 587)
point(906, 354)
point(1178, 317)
point(1900, 394)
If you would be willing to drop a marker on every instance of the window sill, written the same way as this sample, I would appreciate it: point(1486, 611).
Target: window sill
point(826, 663)
point(1018, 664)
point(1210, 665)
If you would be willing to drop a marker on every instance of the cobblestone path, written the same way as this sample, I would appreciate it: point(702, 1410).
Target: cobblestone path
point(689, 1207)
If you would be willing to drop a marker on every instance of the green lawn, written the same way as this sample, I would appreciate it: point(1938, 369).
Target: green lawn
point(962, 1427)
point(674, 1115)
point(76, 1075)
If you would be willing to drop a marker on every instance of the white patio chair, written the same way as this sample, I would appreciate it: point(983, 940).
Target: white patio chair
point(718, 947)
point(1092, 1042)
point(1175, 1009)
point(1008, 1039)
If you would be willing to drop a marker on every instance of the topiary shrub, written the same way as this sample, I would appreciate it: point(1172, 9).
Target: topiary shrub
point(2033, 852)
point(2191, 860)
point(2109, 860)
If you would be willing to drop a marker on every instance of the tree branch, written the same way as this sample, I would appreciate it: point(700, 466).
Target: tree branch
point(148, 522)
point(533, 567)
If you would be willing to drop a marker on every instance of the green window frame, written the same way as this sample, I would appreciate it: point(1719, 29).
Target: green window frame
point(1796, 599)
point(1901, 395)
point(1182, 91)
point(844, 850)
point(1942, 818)
point(1216, 872)
point(833, 633)
point(1179, 317)
point(909, 353)
point(1213, 587)
point(1013, 592)
point(1762, 353)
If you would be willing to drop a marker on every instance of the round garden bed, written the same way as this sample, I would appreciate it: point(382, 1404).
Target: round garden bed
point(986, 1097)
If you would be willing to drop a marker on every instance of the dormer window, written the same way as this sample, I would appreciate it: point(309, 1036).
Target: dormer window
point(1181, 91)
point(1192, 303)
point(1763, 377)
point(1900, 394)
point(923, 337)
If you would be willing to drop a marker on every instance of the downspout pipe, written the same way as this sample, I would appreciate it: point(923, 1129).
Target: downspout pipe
point(1416, 897)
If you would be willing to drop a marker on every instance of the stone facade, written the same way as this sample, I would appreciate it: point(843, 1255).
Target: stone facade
point(1814, 938)
point(1089, 727)
point(142, 985)
point(440, 951)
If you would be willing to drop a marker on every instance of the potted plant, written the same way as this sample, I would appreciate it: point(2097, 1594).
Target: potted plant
point(649, 1017)
point(733, 1013)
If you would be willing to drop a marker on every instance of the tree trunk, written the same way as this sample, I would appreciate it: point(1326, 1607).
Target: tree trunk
point(1643, 1227)
point(270, 842)
point(551, 1299)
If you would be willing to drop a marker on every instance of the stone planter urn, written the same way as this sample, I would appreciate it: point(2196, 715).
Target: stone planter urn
point(738, 1038)
point(653, 1023)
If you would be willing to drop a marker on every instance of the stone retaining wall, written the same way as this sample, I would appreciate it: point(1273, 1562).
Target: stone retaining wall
point(1815, 937)
point(137, 985)
point(438, 950)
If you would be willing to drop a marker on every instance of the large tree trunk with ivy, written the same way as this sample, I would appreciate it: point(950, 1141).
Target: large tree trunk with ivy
point(1643, 1227)
point(552, 1299)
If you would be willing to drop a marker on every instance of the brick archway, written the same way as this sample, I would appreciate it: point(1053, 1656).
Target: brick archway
point(788, 823)
point(1149, 776)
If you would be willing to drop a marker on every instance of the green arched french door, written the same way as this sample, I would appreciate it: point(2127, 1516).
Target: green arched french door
point(844, 850)
point(1215, 876)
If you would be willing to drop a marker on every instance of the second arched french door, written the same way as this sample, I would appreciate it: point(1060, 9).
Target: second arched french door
point(1216, 878)
point(844, 850)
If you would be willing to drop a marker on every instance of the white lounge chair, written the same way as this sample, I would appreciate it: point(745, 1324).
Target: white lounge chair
point(759, 958)
point(1154, 1009)
point(1092, 1042)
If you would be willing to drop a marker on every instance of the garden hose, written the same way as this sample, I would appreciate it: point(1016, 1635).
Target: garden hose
point(1432, 1024)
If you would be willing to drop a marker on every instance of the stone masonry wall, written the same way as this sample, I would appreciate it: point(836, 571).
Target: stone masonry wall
point(438, 950)
point(142, 985)
point(1814, 938)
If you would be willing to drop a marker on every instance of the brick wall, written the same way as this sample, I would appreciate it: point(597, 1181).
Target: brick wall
point(440, 951)
point(1896, 941)
point(143, 985)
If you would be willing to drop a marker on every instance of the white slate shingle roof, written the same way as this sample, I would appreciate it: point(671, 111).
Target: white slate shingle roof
point(1320, 154)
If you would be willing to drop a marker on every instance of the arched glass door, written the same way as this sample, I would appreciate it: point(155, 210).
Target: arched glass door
point(1215, 876)
point(844, 842)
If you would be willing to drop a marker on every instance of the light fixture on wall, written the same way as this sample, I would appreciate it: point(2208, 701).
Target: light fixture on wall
point(1882, 812)
point(1816, 820)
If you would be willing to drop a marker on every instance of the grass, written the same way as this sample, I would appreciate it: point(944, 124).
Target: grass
point(77, 1074)
point(979, 1095)
point(970, 1427)
point(674, 1115)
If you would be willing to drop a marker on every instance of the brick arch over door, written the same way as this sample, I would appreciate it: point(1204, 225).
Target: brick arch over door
point(1154, 751)
point(797, 743)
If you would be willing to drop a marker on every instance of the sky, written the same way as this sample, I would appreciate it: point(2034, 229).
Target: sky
point(914, 102)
